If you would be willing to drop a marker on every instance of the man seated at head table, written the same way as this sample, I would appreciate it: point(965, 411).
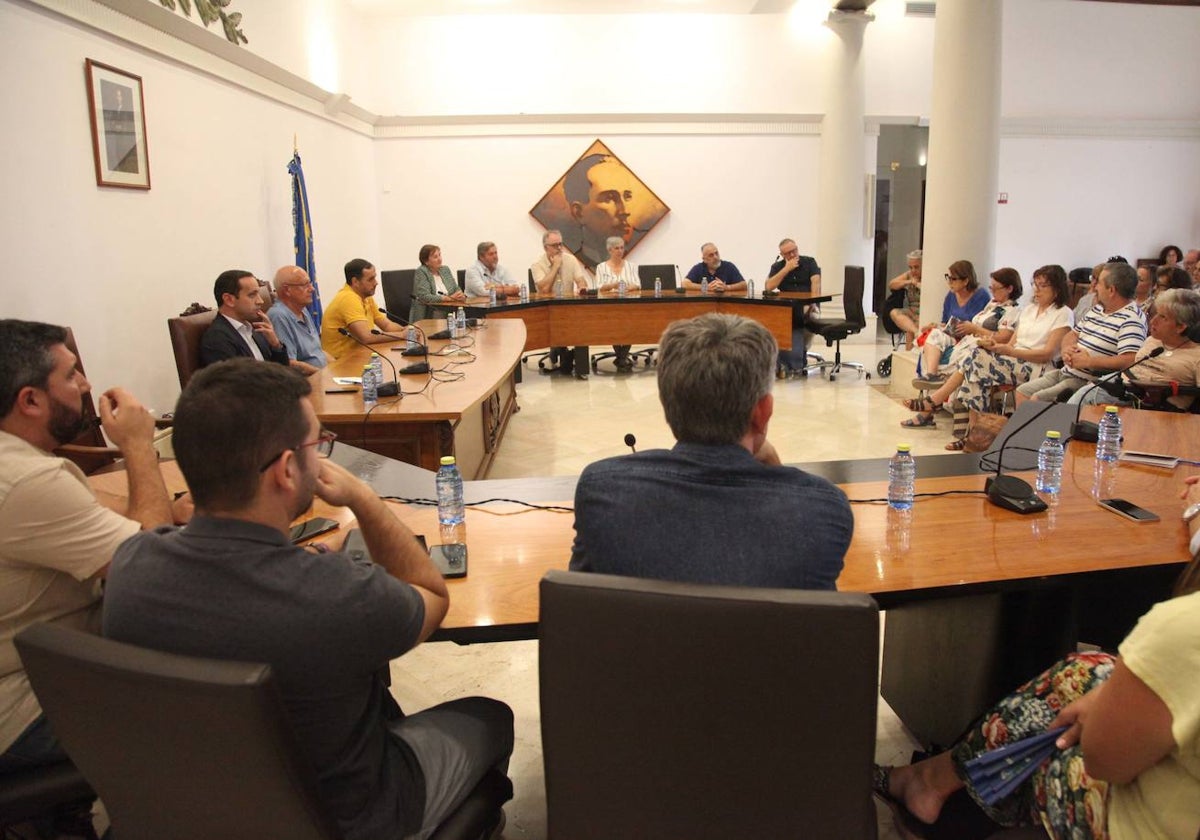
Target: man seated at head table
point(292, 321)
point(56, 539)
point(722, 276)
point(230, 585)
point(718, 507)
point(793, 272)
point(559, 269)
point(240, 327)
point(486, 274)
point(354, 310)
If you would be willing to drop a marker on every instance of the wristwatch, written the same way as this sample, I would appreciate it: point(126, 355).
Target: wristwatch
point(1192, 512)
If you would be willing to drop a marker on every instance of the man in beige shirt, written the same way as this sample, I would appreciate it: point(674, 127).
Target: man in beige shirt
point(56, 539)
point(557, 270)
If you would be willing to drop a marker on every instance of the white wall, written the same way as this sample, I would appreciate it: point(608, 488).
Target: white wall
point(115, 264)
point(745, 192)
point(1078, 201)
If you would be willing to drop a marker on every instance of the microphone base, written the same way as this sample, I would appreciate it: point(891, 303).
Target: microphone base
point(1085, 431)
point(1010, 493)
point(389, 389)
point(420, 350)
point(419, 367)
point(439, 335)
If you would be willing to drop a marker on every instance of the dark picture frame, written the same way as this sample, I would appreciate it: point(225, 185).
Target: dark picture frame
point(117, 112)
point(597, 197)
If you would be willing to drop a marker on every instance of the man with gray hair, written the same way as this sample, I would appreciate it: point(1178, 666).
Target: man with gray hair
point(1106, 339)
point(487, 273)
point(557, 272)
point(718, 507)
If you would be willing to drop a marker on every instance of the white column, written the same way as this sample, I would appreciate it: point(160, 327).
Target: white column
point(840, 192)
point(964, 145)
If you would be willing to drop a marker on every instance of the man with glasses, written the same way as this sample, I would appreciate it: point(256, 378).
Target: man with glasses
point(293, 323)
point(56, 539)
point(230, 585)
point(558, 271)
point(793, 272)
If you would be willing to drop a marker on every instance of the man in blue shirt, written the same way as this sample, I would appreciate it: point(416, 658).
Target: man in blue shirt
point(718, 507)
point(721, 276)
point(293, 323)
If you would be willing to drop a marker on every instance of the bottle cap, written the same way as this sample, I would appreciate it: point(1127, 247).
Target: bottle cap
point(447, 460)
point(1053, 434)
point(1110, 409)
point(903, 447)
point(366, 367)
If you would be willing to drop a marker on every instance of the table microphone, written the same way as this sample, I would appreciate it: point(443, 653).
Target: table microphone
point(421, 349)
point(679, 289)
point(1008, 491)
point(1087, 431)
point(631, 442)
point(386, 389)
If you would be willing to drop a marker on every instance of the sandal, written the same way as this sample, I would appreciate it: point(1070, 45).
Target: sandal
point(921, 421)
point(922, 404)
point(956, 445)
point(906, 824)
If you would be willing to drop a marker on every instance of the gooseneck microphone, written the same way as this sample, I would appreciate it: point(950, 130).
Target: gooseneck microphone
point(386, 389)
point(1008, 491)
point(421, 349)
point(1089, 432)
point(631, 442)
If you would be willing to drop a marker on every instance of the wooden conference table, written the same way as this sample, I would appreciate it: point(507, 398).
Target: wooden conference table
point(637, 318)
point(466, 418)
point(979, 598)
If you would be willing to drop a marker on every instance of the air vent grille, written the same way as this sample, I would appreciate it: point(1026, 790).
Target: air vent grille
point(914, 8)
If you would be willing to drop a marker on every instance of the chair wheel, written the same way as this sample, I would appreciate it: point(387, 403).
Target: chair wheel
point(868, 375)
point(885, 367)
point(832, 377)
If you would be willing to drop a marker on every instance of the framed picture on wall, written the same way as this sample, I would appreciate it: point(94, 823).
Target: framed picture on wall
point(598, 197)
point(118, 116)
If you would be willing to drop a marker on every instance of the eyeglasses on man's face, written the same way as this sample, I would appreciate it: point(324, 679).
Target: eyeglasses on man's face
point(324, 444)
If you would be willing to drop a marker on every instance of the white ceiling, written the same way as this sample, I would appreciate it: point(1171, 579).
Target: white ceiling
point(568, 7)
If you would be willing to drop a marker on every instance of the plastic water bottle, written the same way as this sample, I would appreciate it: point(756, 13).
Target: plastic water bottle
point(657, 287)
point(621, 287)
point(411, 335)
point(902, 472)
point(377, 367)
point(452, 514)
point(370, 386)
point(492, 296)
point(704, 285)
point(524, 295)
point(750, 289)
point(452, 325)
point(558, 288)
point(462, 321)
point(1050, 463)
point(1108, 442)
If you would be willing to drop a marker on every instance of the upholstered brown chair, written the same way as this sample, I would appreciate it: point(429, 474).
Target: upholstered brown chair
point(186, 331)
point(89, 450)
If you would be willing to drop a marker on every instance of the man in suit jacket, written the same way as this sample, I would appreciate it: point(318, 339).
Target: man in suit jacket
point(240, 329)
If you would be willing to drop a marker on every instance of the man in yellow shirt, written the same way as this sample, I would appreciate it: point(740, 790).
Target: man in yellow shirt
point(353, 309)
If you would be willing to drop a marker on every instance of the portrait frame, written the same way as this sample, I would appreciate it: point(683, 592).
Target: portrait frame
point(117, 113)
point(630, 204)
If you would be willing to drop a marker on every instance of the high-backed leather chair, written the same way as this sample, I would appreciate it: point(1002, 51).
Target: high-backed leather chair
point(186, 332)
point(190, 748)
point(835, 330)
point(398, 291)
point(705, 712)
point(89, 450)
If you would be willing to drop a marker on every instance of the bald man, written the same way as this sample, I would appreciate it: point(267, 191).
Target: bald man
point(293, 323)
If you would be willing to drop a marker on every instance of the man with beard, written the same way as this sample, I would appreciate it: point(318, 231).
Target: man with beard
point(230, 585)
point(56, 539)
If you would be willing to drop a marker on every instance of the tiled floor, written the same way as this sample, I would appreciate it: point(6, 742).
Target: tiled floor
point(565, 424)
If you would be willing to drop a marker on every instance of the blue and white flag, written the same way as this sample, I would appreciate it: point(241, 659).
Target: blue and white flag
point(302, 223)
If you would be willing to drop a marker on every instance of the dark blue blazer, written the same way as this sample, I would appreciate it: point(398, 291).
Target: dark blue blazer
point(221, 341)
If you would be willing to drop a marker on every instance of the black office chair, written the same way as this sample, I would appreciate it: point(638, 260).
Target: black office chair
point(646, 277)
point(398, 291)
point(835, 330)
point(40, 792)
point(190, 748)
point(654, 724)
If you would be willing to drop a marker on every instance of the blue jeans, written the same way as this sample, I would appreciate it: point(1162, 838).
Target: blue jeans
point(35, 746)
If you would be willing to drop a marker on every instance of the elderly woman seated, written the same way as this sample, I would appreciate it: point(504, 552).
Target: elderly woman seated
point(1126, 764)
point(945, 346)
point(1174, 326)
point(1021, 349)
